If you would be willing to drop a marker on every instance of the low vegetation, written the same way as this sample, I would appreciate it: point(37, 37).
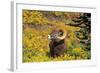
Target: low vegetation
point(37, 25)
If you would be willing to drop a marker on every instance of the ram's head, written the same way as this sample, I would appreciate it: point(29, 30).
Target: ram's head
point(57, 35)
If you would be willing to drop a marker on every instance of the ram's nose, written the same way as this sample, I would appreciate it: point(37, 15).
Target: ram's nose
point(49, 37)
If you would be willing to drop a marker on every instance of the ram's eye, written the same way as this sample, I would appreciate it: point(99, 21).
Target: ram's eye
point(55, 35)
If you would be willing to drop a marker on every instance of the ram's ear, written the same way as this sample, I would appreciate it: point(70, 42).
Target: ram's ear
point(63, 35)
point(49, 37)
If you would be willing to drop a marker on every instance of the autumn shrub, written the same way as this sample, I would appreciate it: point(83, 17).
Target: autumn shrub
point(36, 42)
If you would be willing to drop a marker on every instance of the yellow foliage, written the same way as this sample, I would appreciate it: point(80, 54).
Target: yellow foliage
point(36, 42)
point(34, 17)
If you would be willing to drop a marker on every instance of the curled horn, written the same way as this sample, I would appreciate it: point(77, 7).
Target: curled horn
point(63, 35)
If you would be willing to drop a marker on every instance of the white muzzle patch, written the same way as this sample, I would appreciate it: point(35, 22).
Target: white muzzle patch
point(49, 37)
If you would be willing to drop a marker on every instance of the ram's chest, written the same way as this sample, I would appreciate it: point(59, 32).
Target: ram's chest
point(59, 45)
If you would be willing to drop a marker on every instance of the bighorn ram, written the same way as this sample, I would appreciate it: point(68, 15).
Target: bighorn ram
point(57, 43)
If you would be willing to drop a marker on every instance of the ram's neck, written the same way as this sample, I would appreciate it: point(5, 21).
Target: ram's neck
point(59, 42)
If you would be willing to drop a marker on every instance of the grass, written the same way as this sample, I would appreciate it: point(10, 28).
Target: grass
point(36, 28)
